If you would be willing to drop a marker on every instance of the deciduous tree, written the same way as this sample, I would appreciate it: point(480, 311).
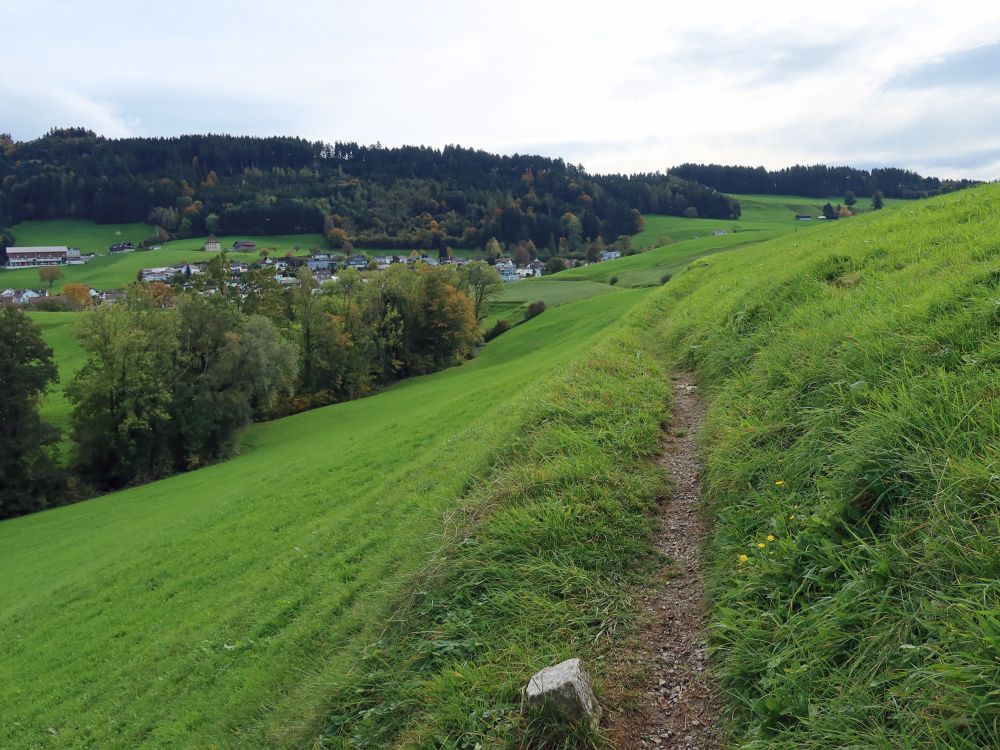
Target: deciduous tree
point(50, 275)
point(482, 283)
point(26, 442)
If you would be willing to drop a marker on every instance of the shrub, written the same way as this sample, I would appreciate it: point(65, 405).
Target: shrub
point(535, 308)
point(613, 280)
point(665, 278)
point(501, 326)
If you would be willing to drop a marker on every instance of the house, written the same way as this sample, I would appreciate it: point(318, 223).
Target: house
point(719, 233)
point(536, 266)
point(212, 245)
point(357, 261)
point(238, 267)
point(122, 247)
point(22, 296)
point(244, 246)
point(109, 298)
point(610, 255)
point(157, 274)
point(506, 269)
point(318, 262)
point(26, 257)
point(322, 276)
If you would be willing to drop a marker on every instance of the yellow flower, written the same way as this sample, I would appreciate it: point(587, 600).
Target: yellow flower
point(770, 537)
point(743, 559)
point(791, 517)
point(780, 483)
point(761, 545)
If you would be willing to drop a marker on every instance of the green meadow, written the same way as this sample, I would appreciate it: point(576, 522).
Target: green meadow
point(58, 333)
point(389, 572)
point(89, 236)
point(212, 607)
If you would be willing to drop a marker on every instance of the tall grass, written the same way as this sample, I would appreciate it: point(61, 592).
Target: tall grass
point(855, 418)
point(538, 567)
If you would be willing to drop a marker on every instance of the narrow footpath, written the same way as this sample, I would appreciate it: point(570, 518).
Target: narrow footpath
point(680, 706)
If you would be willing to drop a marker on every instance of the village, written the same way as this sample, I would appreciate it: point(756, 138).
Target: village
point(191, 274)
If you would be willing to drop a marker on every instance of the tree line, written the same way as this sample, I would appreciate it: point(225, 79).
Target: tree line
point(171, 376)
point(373, 196)
point(818, 181)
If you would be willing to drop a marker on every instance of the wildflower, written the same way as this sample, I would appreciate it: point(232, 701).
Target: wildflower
point(743, 559)
point(761, 545)
point(770, 537)
point(791, 517)
point(780, 483)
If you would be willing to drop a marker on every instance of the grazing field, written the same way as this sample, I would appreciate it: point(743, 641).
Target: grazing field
point(852, 452)
point(89, 236)
point(763, 214)
point(57, 331)
point(222, 607)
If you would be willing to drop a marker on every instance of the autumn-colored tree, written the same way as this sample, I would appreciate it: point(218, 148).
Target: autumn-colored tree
point(78, 294)
point(493, 248)
point(50, 275)
point(161, 294)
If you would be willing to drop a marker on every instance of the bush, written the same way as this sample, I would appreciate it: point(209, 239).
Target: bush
point(501, 326)
point(613, 280)
point(535, 308)
point(665, 278)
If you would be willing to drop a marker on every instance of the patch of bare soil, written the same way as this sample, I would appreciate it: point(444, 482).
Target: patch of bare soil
point(679, 707)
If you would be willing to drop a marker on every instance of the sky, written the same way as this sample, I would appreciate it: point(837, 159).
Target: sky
point(616, 86)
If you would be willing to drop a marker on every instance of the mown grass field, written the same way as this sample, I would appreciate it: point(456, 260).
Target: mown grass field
point(852, 451)
point(89, 236)
point(223, 607)
point(58, 333)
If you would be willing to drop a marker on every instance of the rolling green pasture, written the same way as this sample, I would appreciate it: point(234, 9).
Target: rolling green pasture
point(213, 608)
point(57, 331)
point(852, 451)
point(89, 236)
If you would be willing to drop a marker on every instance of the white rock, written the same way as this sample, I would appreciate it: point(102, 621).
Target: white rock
point(566, 690)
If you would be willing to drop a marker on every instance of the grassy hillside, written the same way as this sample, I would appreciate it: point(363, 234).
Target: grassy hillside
point(855, 420)
point(89, 236)
point(57, 332)
point(216, 607)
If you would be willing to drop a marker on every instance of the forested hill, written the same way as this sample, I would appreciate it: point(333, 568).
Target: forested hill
point(374, 196)
point(818, 181)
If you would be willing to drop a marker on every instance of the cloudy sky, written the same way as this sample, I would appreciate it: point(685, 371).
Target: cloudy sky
point(617, 86)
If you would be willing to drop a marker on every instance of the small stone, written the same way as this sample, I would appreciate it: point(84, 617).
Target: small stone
point(567, 690)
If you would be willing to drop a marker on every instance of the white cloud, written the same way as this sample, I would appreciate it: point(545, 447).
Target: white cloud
point(629, 86)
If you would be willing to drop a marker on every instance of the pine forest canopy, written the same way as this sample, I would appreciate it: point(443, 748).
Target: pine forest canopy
point(410, 196)
point(818, 181)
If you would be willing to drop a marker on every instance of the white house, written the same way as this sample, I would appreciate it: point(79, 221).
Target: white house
point(610, 254)
point(507, 270)
point(213, 245)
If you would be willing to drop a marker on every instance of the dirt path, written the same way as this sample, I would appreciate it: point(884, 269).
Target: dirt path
point(680, 708)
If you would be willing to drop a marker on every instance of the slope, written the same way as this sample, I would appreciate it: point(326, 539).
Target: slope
point(181, 612)
point(852, 451)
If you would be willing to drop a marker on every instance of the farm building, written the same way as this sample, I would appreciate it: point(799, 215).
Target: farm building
point(244, 246)
point(26, 257)
point(610, 255)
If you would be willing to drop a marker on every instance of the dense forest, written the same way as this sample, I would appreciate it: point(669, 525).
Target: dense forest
point(371, 196)
point(818, 181)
